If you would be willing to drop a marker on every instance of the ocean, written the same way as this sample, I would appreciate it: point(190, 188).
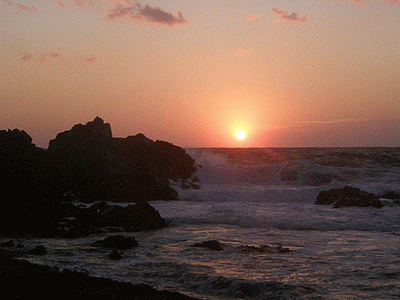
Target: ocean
point(256, 197)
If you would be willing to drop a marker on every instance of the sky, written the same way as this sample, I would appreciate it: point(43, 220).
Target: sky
point(294, 73)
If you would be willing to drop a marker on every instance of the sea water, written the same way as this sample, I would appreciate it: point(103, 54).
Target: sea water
point(254, 197)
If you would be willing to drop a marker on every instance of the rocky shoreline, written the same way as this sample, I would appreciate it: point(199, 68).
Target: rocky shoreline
point(20, 279)
point(38, 187)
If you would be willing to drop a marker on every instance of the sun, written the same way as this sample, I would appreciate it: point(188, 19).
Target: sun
point(240, 135)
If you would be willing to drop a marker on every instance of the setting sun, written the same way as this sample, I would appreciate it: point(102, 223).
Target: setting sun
point(240, 135)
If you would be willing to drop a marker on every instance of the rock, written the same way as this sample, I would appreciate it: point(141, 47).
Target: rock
point(94, 166)
point(38, 250)
point(8, 244)
point(348, 196)
point(260, 249)
point(87, 164)
point(282, 249)
point(115, 255)
point(131, 218)
point(23, 280)
point(212, 245)
point(391, 195)
point(117, 242)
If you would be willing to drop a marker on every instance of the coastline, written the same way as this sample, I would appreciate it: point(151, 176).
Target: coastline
point(20, 279)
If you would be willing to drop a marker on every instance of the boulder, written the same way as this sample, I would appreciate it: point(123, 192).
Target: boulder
point(212, 245)
point(117, 242)
point(348, 196)
point(115, 255)
point(38, 250)
point(132, 218)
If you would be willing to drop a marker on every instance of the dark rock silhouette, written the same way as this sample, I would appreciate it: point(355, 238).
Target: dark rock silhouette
point(131, 218)
point(348, 196)
point(117, 242)
point(98, 167)
point(212, 245)
point(38, 250)
point(23, 280)
point(87, 164)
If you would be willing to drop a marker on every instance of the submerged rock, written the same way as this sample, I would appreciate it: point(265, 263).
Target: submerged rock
point(348, 196)
point(38, 250)
point(212, 245)
point(117, 242)
point(115, 255)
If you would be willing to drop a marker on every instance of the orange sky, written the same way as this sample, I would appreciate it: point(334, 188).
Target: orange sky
point(289, 73)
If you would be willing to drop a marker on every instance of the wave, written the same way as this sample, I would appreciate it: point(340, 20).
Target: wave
point(258, 167)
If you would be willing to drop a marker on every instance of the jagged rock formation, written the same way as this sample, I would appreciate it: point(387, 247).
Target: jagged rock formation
point(84, 163)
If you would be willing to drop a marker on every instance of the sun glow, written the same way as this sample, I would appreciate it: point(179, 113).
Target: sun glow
point(240, 135)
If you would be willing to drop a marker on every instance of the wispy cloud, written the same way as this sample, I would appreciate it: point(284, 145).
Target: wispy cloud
point(60, 4)
point(51, 55)
point(20, 7)
point(85, 3)
point(26, 57)
point(282, 15)
point(90, 59)
point(25, 8)
point(146, 14)
point(252, 18)
point(334, 121)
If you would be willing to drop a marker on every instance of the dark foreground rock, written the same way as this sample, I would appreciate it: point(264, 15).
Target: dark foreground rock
point(348, 196)
point(132, 218)
point(23, 280)
point(212, 245)
point(87, 164)
point(117, 242)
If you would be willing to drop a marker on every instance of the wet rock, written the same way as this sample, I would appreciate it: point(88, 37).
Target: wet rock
point(212, 245)
point(251, 249)
point(38, 250)
point(117, 242)
point(115, 255)
point(132, 218)
point(348, 196)
point(8, 244)
point(282, 249)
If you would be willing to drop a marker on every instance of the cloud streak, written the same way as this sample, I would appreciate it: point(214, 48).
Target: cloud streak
point(51, 55)
point(146, 14)
point(285, 16)
point(90, 59)
point(26, 57)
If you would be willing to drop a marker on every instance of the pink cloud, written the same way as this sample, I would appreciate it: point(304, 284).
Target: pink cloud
point(282, 15)
point(60, 4)
point(25, 8)
point(90, 59)
point(146, 14)
point(52, 55)
point(85, 3)
point(252, 18)
point(26, 57)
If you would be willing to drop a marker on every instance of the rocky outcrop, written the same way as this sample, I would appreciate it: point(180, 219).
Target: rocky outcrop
point(98, 167)
point(348, 196)
point(117, 242)
point(131, 218)
point(212, 245)
point(88, 164)
point(23, 280)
